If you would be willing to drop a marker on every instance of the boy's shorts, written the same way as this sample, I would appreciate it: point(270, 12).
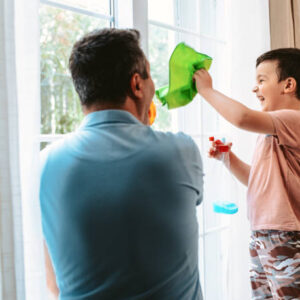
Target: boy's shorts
point(275, 265)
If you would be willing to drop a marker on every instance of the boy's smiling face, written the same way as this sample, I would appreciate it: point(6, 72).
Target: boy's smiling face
point(268, 90)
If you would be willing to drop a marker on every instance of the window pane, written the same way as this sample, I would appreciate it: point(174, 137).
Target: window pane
point(216, 258)
point(161, 45)
point(97, 6)
point(43, 145)
point(212, 18)
point(162, 11)
point(60, 107)
point(188, 15)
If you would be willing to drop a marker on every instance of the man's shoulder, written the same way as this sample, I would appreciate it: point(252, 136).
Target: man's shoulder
point(178, 138)
point(53, 150)
point(176, 143)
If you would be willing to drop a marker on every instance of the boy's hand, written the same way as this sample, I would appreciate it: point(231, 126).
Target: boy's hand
point(203, 81)
point(214, 152)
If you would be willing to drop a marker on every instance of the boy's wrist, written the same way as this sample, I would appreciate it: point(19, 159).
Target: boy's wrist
point(206, 91)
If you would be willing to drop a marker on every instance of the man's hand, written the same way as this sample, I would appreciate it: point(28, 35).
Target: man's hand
point(50, 275)
point(203, 81)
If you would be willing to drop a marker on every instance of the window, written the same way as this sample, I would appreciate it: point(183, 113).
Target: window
point(63, 22)
point(199, 23)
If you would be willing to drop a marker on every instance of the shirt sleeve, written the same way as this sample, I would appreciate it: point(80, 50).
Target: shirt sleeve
point(287, 127)
point(198, 173)
point(195, 167)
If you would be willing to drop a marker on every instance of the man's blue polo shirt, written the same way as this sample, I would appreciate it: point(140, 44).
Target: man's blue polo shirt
point(118, 203)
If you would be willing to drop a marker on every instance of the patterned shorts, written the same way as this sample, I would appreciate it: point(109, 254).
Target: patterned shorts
point(275, 265)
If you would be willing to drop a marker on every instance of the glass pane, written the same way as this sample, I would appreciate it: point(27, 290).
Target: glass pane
point(216, 259)
point(161, 45)
point(190, 116)
point(60, 106)
point(188, 15)
point(162, 11)
point(212, 18)
point(97, 6)
point(43, 145)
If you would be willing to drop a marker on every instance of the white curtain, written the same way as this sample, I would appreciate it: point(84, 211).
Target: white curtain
point(28, 80)
point(21, 250)
point(11, 238)
point(249, 36)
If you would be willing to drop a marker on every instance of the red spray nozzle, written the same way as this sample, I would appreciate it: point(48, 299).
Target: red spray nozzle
point(219, 144)
point(223, 148)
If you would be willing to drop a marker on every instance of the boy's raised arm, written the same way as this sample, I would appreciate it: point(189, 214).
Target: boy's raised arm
point(233, 111)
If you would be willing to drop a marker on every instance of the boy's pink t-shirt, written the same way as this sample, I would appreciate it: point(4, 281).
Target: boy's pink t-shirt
point(274, 182)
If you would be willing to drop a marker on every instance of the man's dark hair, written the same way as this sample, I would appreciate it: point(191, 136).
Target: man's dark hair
point(288, 60)
point(102, 64)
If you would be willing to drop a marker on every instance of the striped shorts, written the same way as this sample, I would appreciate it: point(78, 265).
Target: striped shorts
point(275, 265)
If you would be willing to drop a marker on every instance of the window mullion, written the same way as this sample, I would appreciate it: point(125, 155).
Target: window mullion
point(112, 13)
point(140, 21)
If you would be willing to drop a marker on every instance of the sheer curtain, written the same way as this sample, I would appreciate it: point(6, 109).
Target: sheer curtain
point(11, 238)
point(21, 256)
point(285, 23)
point(28, 71)
point(249, 36)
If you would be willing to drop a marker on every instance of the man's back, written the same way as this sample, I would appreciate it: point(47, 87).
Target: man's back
point(118, 207)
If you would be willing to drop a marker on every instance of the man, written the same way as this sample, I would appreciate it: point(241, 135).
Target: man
point(117, 198)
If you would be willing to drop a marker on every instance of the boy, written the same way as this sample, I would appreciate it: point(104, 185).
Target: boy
point(273, 179)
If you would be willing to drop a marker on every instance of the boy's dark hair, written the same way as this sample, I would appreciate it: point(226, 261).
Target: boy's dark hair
point(102, 64)
point(288, 64)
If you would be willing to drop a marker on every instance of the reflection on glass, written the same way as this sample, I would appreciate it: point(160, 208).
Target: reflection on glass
point(97, 6)
point(60, 106)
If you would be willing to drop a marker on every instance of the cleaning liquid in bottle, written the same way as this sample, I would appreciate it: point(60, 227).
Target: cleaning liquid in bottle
point(224, 194)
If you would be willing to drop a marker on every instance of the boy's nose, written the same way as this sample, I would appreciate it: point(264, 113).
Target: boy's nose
point(254, 90)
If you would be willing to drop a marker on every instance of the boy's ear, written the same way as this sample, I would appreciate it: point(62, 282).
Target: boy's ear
point(136, 84)
point(290, 85)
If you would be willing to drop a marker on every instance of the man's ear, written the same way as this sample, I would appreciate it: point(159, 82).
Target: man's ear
point(290, 85)
point(136, 85)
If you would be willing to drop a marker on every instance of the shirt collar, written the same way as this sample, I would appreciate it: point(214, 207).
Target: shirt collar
point(109, 116)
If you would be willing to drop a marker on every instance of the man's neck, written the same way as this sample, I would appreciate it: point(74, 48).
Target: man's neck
point(129, 105)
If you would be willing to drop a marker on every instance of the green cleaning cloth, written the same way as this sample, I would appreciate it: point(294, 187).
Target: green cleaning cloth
point(183, 63)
